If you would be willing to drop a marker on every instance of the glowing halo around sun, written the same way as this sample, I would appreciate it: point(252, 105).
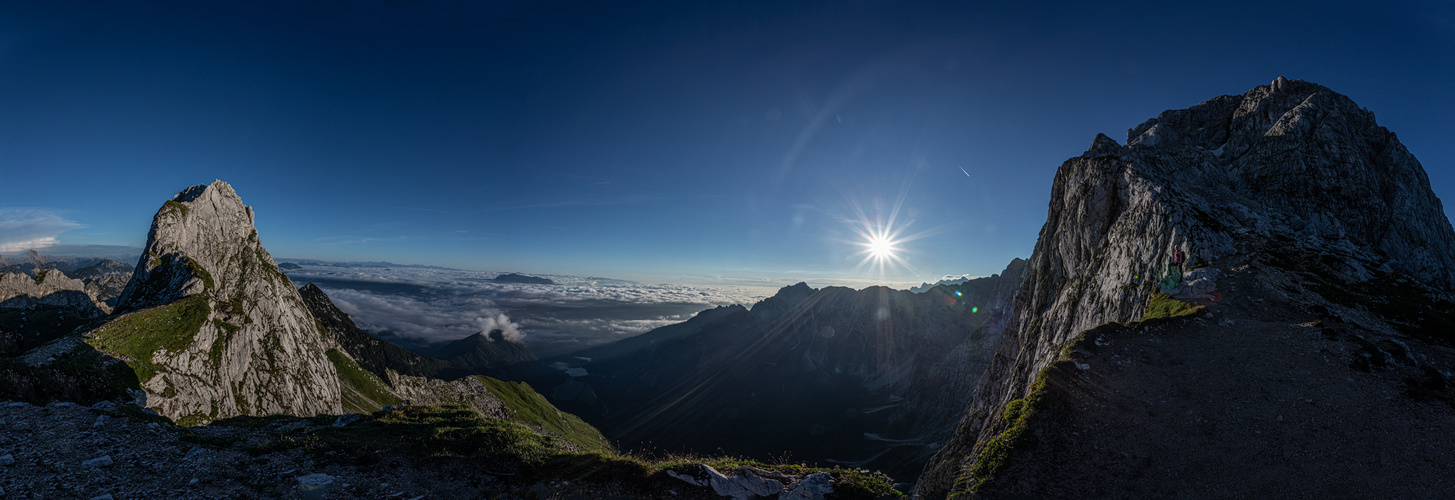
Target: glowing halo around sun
point(881, 245)
point(882, 239)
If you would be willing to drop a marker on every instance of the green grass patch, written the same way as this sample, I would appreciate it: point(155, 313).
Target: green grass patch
point(193, 420)
point(1164, 306)
point(225, 332)
point(173, 206)
point(363, 392)
point(532, 409)
point(996, 452)
point(135, 337)
point(201, 272)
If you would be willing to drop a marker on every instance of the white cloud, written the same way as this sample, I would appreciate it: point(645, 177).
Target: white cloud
point(498, 321)
point(23, 229)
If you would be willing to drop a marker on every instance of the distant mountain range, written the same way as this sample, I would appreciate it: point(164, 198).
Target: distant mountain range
point(872, 377)
point(946, 280)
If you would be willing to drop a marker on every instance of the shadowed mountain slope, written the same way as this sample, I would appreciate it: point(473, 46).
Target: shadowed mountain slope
point(1292, 205)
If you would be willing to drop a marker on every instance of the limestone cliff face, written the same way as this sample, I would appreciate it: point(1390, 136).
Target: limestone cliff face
point(1286, 165)
point(211, 326)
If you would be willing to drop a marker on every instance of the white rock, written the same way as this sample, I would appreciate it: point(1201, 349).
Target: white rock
point(742, 486)
point(270, 359)
point(102, 461)
point(684, 477)
point(7, 459)
point(812, 487)
point(346, 419)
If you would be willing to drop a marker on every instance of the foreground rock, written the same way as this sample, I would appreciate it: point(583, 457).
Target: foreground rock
point(1291, 175)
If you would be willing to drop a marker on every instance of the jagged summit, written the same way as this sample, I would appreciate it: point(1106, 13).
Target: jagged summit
point(215, 329)
point(203, 240)
point(1292, 177)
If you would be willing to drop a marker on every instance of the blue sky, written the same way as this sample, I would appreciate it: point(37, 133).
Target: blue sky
point(673, 141)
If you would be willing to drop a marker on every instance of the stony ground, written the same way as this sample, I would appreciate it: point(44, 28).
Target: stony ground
point(1254, 398)
point(68, 451)
point(63, 450)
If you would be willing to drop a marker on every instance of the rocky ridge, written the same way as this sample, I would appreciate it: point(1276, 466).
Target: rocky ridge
point(1291, 172)
point(50, 288)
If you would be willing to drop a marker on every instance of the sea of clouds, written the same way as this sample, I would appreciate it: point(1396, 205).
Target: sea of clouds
point(423, 307)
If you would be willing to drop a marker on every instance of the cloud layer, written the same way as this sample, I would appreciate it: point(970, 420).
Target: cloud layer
point(421, 307)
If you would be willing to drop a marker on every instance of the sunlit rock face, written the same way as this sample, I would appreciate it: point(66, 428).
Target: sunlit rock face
point(221, 331)
point(1286, 165)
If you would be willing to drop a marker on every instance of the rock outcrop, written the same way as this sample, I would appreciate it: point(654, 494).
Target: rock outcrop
point(211, 326)
point(1290, 172)
point(49, 288)
point(105, 279)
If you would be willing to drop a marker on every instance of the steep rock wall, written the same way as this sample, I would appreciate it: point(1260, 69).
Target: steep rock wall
point(1291, 162)
point(211, 325)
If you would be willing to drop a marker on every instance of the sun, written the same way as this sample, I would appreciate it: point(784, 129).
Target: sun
point(881, 247)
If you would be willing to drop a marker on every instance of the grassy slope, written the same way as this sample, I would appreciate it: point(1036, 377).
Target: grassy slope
point(363, 392)
point(532, 409)
point(135, 337)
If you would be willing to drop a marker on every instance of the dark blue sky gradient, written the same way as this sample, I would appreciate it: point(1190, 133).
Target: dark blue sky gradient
point(640, 141)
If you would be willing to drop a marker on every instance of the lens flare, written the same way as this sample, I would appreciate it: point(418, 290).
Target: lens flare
point(881, 247)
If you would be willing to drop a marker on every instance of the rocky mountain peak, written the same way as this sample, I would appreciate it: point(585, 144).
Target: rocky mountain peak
point(238, 337)
point(1289, 168)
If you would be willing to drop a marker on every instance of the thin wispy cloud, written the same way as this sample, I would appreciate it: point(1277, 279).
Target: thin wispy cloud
point(22, 229)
